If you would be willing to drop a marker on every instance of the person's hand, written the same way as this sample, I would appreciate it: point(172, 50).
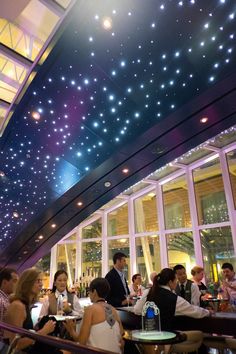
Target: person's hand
point(70, 326)
point(67, 307)
point(48, 327)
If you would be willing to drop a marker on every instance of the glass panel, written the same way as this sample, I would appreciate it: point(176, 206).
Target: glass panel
point(180, 250)
point(7, 92)
point(217, 248)
point(94, 230)
point(176, 205)
point(162, 172)
point(44, 265)
point(147, 256)
point(117, 221)
point(120, 245)
point(64, 3)
point(66, 256)
point(91, 259)
point(231, 157)
point(224, 138)
point(193, 155)
point(210, 195)
point(145, 213)
point(135, 188)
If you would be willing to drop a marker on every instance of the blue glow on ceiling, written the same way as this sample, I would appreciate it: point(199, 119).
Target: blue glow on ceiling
point(121, 68)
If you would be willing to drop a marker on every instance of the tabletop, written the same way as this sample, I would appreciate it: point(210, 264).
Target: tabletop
point(154, 337)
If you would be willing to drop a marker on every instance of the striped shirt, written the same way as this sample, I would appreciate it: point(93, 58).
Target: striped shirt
point(4, 303)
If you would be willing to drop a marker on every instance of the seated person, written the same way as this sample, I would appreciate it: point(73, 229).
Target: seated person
point(101, 326)
point(229, 282)
point(198, 274)
point(18, 313)
point(185, 287)
point(71, 305)
point(167, 301)
point(136, 289)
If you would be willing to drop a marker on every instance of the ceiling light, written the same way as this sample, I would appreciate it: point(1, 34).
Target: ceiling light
point(15, 214)
point(53, 226)
point(79, 203)
point(36, 115)
point(107, 184)
point(2, 174)
point(203, 120)
point(40, 237)
point(125, 170)
point(107, 23)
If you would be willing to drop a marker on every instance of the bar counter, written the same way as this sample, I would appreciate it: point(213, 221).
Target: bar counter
point(220, 323)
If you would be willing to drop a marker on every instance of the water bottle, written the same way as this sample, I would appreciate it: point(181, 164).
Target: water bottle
point(60, 305)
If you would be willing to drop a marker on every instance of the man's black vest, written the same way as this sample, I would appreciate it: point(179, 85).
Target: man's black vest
point(188, 292)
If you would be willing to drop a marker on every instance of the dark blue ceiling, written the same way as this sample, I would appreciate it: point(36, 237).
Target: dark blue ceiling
point(99, 91)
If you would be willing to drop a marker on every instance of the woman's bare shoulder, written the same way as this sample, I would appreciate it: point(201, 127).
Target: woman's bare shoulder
point(16, 305)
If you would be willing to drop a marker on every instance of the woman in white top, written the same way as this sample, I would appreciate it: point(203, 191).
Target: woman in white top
point(101, 326)
point(71, 305)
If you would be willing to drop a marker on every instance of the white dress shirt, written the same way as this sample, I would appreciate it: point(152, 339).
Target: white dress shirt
point(77, 310)
point(183, 307)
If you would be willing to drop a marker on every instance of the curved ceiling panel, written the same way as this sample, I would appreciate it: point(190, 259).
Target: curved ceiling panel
point(126, 85)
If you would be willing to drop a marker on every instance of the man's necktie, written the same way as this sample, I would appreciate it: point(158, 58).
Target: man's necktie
point(182, 291)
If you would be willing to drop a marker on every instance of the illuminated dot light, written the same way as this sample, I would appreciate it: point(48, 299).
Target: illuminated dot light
point(129, 75)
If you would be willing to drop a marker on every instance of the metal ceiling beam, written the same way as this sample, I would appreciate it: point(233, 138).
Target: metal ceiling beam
point(54, 7)
point(4, 104)
point(15, 57)
point(9, 81)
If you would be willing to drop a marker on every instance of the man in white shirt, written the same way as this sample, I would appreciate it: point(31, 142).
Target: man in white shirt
point(229, 282)
point(185, 287)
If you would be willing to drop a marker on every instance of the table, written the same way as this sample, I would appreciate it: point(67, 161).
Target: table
point(148, 341)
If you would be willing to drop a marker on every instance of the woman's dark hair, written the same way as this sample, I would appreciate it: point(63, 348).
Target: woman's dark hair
point(56, 275)
point(162, 278)
point(101, 285)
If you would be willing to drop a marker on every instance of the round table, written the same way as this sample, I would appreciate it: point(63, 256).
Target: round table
point(157, 341)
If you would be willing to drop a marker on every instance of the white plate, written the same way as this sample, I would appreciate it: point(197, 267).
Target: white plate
point(63, 318)
point(152, 335)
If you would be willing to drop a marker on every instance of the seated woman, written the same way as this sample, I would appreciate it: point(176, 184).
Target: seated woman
point(18, 314)
point(167, 301)
point(198, 274)
point(136, 289)
point(101, 326)
point(71, 305)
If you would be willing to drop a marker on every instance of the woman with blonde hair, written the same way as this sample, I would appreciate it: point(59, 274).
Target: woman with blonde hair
point(26, 294)
point(198, 274)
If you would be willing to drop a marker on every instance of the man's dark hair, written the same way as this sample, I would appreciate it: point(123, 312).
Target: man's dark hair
point(118, 255)
point(101, 285)
point(6, 274)
point(178, 267)
point(135, 276)
point(227, 265)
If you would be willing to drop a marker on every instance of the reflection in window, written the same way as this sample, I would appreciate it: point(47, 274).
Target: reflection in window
point(217, 248)
point(210, 195)
point(119, 245)
point(231, 157)
point(180, 250)
point(147, 256)
point(66, 255)
point(91, 259)
point(145, 213)
point(176, 205)
point(93, 230)
point(117, 221)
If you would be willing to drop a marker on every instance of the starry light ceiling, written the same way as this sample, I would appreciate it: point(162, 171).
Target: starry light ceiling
point(120, 67)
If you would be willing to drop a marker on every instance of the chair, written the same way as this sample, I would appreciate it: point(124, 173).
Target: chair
point(191, 344)
point(215, 342)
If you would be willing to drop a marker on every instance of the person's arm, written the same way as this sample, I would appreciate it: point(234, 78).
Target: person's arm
point(140, 303)
point(86, 325)
point(16, 307)
point(184, 308)
point(44, 308)
point(117, 317)
point(77, 309)
point(195, 295)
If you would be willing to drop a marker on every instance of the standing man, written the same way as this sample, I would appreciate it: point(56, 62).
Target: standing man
point(185, 287)
point(8, 280)
point(229, 283)
point(118, 284)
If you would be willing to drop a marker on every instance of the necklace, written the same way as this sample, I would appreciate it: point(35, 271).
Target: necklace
point(100, 300)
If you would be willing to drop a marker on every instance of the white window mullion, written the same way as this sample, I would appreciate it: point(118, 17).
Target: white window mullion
point(161, 223)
